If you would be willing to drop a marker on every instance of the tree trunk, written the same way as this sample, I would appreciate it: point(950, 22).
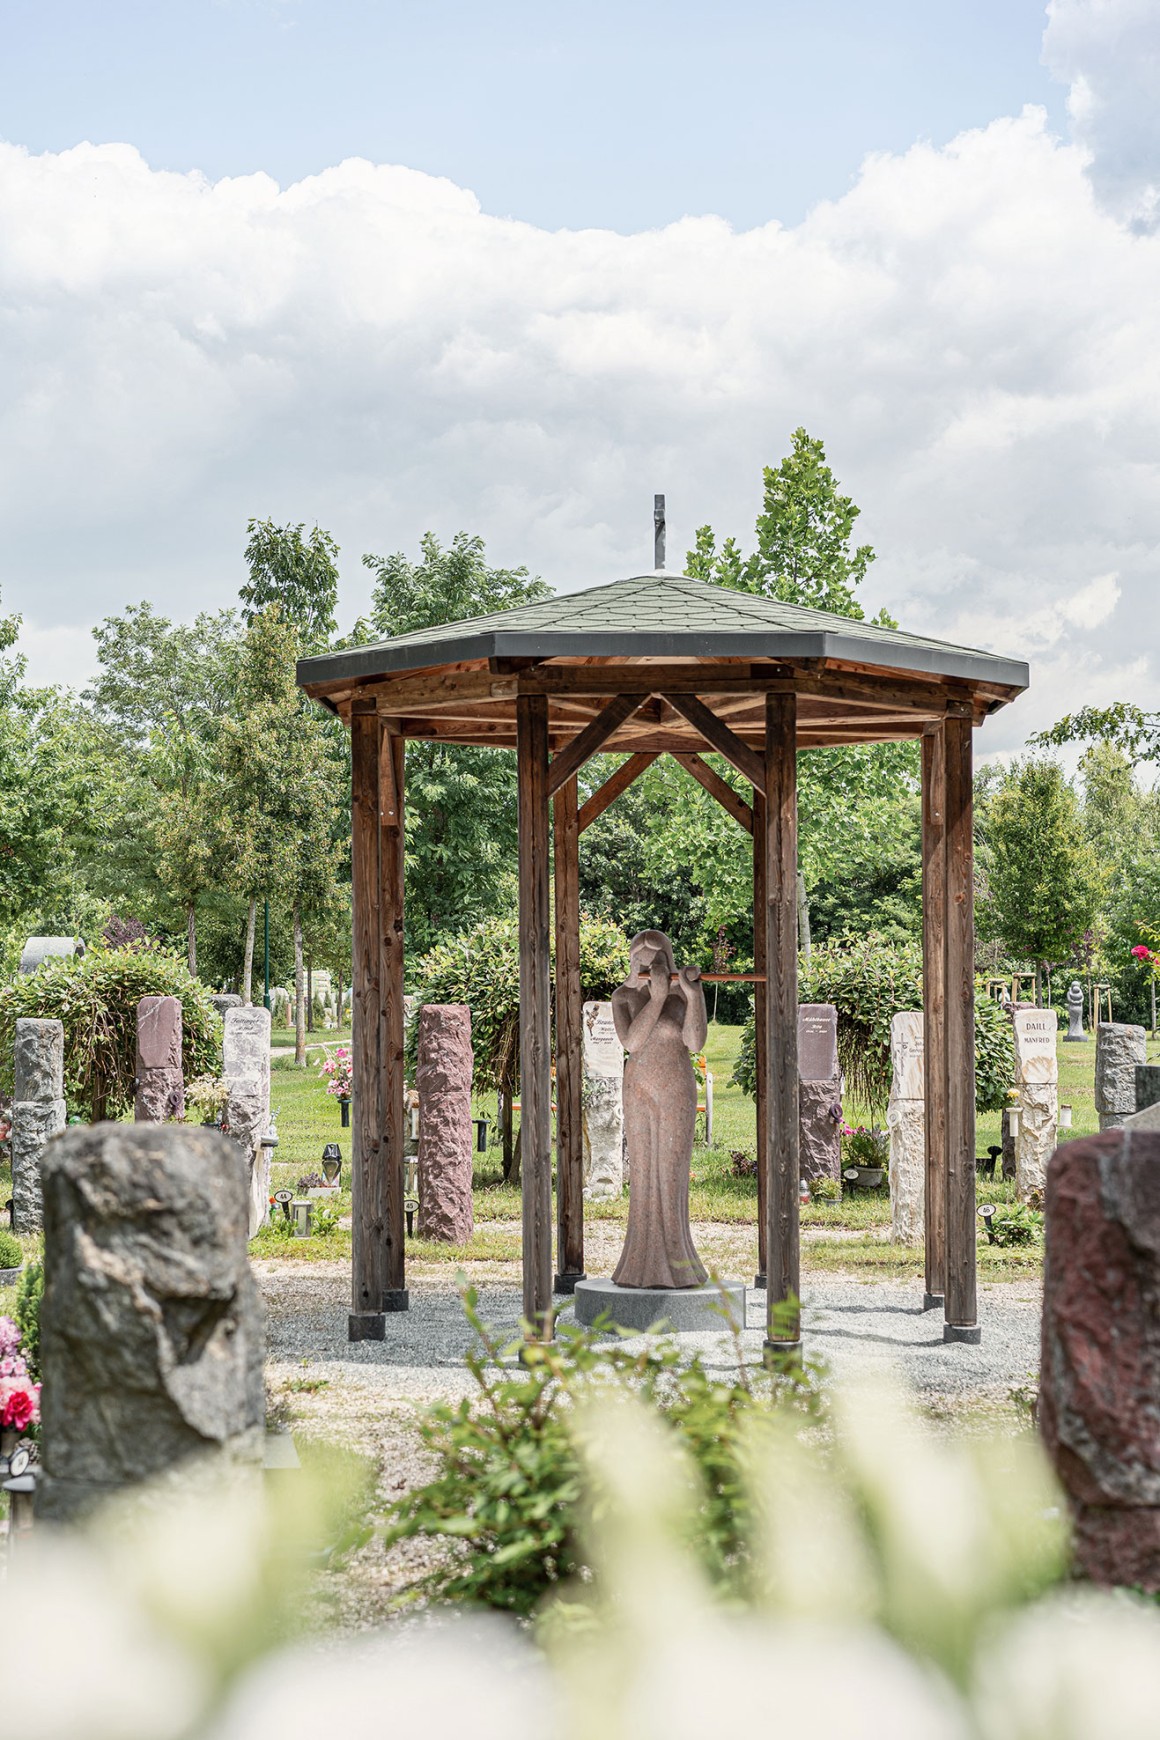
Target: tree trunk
point(338, 992)
point(1038, 984)
point(310, 994)
point(191, 938)
point(299, 991)
point(803, 918)
point(513, 1177)
point(248, 964)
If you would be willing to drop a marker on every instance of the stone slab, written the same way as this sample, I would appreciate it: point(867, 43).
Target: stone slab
point(38, 1060)
point(1120, 1046)
point(1148, 1119)
point(1147, 1085)
point(906, 1122)
point(602, 1062)
point(34, 1124)
point(1036, 1032)
point(39, 949)
point(817, 1042)
point(246, 1072)
point(443, 1073)
point(682, 1309)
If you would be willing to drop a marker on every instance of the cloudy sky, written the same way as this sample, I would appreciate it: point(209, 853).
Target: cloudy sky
point(397, 265)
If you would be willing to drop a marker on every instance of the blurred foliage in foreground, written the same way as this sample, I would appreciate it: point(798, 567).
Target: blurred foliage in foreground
point(898, 1584)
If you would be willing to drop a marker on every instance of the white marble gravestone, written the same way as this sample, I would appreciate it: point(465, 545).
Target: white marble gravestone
point(906, 1122)
point(603, 1099)
point(1037, 1081)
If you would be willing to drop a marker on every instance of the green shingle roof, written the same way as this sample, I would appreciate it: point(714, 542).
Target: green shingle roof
point(663, 616)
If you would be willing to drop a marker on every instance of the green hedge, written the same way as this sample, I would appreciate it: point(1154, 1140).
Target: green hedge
point(870, 980)
point(96, 997)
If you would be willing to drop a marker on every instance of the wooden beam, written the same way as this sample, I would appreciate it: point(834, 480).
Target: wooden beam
point(618, 678)
point(718, 788)
point(616, 783)
point(589, 742)
point(760, 1034)
point(719, 737)
point(535, 1011)
point(934, 965)
point(783, 1257)
point(961, 1302)
point(392, 1082)
point(368, 1204)
point(569, 1035)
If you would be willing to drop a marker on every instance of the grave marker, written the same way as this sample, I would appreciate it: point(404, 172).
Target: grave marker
point(602, 1057)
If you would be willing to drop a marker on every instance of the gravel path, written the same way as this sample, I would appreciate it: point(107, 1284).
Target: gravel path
point(849, 1323)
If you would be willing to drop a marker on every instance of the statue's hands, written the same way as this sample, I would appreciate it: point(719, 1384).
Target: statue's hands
point(658, 981)
point(690, 978)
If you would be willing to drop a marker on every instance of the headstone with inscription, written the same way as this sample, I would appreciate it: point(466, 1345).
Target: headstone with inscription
point(160, 1083)
point(603, 1100)
point(246, 1072)
point(819, 1093)
point(906, 1122)
point(1037, 1082)
point(1120, 1046)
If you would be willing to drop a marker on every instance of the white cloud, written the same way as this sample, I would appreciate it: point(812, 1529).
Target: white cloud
point(971, 330)
point(1108, 53)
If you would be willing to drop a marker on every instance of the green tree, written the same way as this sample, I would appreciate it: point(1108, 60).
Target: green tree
point(1043, 876)
point(460, 802)
point(297, 571)
point(280, 786)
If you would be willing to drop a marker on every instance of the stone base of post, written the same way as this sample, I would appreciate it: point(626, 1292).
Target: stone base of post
point(970, 1334)
point(397, 1299)
point(567, 1283)
point(366, 1326)
point(933, 1301)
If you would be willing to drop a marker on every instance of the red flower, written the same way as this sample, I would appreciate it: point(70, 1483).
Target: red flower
point(1142, 953)
point(19, 1409)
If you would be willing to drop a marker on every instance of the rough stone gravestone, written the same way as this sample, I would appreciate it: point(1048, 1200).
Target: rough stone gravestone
point(38, 1112)
point(151, 1328)
point(246, 1073)
point(443, 1073)
point(906, 1122)
point(819, 1093)
point(39, 949)
point(1037, 1080)
point(1101, 1350)
point(1147, 1085)
point(603, 1097)
point(1120, 1046)
point(1074, 1014)
point(223, 1000)
point(160, 1083)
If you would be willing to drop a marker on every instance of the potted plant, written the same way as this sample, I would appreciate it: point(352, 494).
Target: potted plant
point(205, 1100)
point(337, 1070)
point(11, 1260)
point(865, 1152)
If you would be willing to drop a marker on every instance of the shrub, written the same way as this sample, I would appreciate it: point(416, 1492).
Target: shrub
point(29, 1292)
point(11, 1250)
point(869, 981)
point(482, 969)
point(510, 1489)
point(1014, 1224)
point(96, 998)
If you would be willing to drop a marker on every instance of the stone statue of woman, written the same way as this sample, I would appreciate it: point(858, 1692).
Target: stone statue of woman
point(660, 1020)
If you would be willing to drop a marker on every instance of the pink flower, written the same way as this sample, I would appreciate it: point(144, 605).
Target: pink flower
point(1142, 953)
point(19, 1403)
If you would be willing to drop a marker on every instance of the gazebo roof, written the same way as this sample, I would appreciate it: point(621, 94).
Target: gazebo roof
point(666, 616)
point(659, 637)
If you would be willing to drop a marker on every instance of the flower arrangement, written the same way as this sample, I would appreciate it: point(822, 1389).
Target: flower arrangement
point(338, 1072)
point(19, 1396)
point(206, 1099)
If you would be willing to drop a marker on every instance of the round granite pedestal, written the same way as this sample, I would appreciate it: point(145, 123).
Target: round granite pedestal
point(678, 1308)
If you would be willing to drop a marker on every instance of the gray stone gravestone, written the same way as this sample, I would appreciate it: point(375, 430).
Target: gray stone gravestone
point(38, 1112)
point(151, 1328)
point(1147, 1085)
point(223, 1000)
point(906, 1122)
point(246, 1072)
point(819, 1093)
point(1037, 1079)
point(443, 1074)
point(1120, 1046)
point(39, 949)
point(160, 1083)
point(603, 1101)
point(1074, 1014)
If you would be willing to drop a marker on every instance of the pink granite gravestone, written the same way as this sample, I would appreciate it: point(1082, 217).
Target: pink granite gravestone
point(160, 1084)
point(1100, 1371)
point(443, 1079)
point(819, 1093)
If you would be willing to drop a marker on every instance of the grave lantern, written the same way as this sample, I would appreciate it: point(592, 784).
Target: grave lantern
point(301, 1209)
point(332, 1163)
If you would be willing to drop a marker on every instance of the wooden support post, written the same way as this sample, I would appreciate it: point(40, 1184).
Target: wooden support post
point(535, 1010)
point(961, 1304)
point(783, 1256)
point(393, 1086)
point(569, 1070)
point(367, 1181)
point(761, 1070)
point(934, 970)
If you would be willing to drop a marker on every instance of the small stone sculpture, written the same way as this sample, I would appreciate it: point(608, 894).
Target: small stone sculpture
point(660, 1019)
point(1074, 1013)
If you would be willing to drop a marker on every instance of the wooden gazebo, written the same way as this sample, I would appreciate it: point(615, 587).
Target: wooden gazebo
point(658, 664)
